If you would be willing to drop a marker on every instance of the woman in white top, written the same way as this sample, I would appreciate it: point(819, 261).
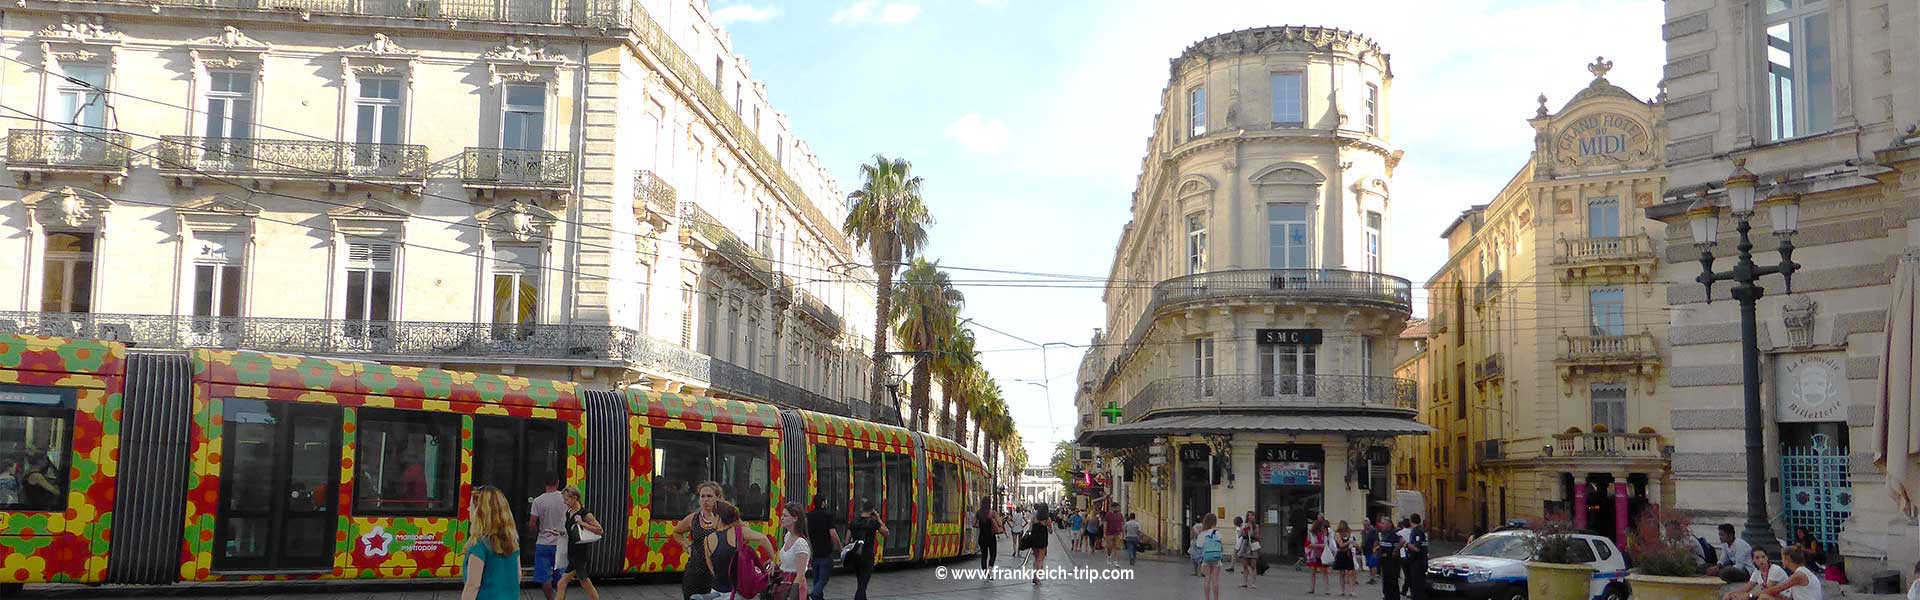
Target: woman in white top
point(1764, 574)
point(794, 556)
point(1801, 583)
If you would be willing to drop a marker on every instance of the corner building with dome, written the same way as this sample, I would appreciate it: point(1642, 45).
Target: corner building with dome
point(1246, 364)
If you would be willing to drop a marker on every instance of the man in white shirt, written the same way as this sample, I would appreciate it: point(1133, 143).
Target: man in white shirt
point(1018, 526)
point(1735, 552)
point(548, 518)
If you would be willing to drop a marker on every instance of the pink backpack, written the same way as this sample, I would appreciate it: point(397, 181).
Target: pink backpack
point(750, 578)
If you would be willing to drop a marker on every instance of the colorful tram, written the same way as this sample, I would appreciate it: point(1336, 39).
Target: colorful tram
point(151, 467)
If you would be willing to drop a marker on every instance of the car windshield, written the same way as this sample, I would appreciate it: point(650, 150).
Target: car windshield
point(1498, 546)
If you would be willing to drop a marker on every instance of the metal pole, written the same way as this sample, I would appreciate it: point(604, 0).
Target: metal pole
point(1757, 531)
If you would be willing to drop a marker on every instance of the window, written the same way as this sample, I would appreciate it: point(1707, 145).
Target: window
point(230, 105)
point(686, 316)
point(406, 463)
point(742, 466)
point(1609, 310)
point(1287, 236)
point(1373, 109)
point(1196, 244)
point(523, 124)
point(1799, 76)
point(1203, 364)
point(1373, 243)
point(899, 508)
point(34, 445)
point(832, 481)
point(67, 285)
point(1603, 218)
point(733, 333)
point(369, 281)
point(1288, 369)
point(1287, 98)
point(683, 459)
point(719, 71)
point(946, 492)
point(1196, 112)
point(710, 308)
point(738, 97)
point(377, 111)
point(780, 151)
point(756, 119)
point(516, 284)
point(218, 264)
point(1609, 407)
point(83, 99)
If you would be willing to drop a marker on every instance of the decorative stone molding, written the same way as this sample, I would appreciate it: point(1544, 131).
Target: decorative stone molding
point(1797, 314)
point(379, 57)
point(229, 49)
point(518, 221)
point(69, 207)
point(1270, 40)
point(218, 214)
point(523, 60)
point(369, 218)
point(382, 45)
point(77, 38)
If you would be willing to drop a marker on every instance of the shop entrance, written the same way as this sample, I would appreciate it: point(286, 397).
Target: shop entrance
point(1288, 495)
point(1196, 488)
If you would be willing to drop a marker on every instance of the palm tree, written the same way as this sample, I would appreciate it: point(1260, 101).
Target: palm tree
point(925, 313)
point(986, 400)
point(956, 364)
point(889, 218)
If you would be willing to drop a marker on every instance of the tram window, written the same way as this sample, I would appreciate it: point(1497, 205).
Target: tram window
point(680, 462)
point(946, 493)
point(867, 485)
point(831, 482)
point(742, 469)
point(406, 463)
point(900, 502)
point(35, 423)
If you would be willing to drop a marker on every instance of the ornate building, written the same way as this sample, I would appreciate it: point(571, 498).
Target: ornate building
point(1546, 331)
point(1246, 363)
point(595, 191)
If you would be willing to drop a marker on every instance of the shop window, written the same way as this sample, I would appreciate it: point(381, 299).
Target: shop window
point(35, 424)
point(406, 463)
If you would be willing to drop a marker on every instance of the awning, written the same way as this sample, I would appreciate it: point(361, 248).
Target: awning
point(1140, 431)
point(1897, 403)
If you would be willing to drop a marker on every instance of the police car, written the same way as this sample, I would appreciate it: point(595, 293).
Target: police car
point(1494, 567)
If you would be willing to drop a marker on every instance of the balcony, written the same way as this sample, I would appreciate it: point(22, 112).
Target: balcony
point(1487, 450)
point(694, 221)
point(817, 310)
point(1306, 393)
point(34, 153)
point(487, 170)
point(601, 13)
point(1438, 322)
point(1489, 368)
point(1596, 257)
point(428, 342)
point(1607, 445)
point(339, 164)
point(653, 198)
point(1633, 348)
point(1291, 285)
point(1487, 289)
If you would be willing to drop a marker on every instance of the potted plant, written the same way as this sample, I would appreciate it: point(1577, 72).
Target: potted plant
point(1556, 573)
point(1666, 563)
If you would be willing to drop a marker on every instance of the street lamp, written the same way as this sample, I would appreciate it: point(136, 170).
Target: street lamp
point(1704, 220)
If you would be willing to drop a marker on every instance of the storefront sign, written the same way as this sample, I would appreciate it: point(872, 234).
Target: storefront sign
point(1813, 388)
point(1291, 453)
point(1294, 337)
point(1290, 464)
point(1194, 453)
point(1610, 138)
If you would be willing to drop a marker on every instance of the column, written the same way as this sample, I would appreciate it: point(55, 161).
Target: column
point(1620, 510)
point(1579, 508)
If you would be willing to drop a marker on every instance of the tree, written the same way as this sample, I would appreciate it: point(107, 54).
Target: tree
point(926, 312)
point(889, 218)
point(957, 364)
point(1063, 461)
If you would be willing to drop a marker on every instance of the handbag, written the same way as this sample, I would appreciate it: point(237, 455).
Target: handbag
point(1326, 553)
point(750, 578)
point(784, 588)
point(586, 536)
point(1262, 564)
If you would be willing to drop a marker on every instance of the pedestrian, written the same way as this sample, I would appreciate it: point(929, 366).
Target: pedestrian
point(796, 555)
point(583, 531)
point(1212, 551)
point(1762, 575)
point(1386, 547)
point(1092, 527)
point(987, 524)
point(1401, 537)
point(1193, 548)
point(548, 520)
point(1246, 551)
point(692, 533)
point(1343, 562)
point(824, 540)
point(1018, 524)
point(865, 531)
point(726, 546)
point(9, 482)
point(1132, 529)
point(493, 548)
point(1417, 559)
point(1040, 532)
point(1801, 583)
point(1913, 591)
point(1074, 523)
point(1736, 552)
point(1113, 528)
point(1369, 540)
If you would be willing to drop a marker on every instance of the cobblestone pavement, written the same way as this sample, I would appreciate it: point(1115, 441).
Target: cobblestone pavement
point(1153, 577)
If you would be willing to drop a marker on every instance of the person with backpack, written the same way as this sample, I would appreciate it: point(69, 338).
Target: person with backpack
point(1209, 549)
point(734, 557)
point(865, 531)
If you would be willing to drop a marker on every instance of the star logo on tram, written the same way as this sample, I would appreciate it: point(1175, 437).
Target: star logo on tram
point(375, 542)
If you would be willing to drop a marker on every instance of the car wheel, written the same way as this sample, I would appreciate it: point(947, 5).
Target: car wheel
point(1614, 592)
point(1515, 593)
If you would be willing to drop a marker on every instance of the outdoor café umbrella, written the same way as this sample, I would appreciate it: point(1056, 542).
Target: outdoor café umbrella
point(1897, 428)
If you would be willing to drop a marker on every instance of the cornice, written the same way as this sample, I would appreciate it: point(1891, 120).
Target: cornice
point(1286, 38)
point(1338, 138)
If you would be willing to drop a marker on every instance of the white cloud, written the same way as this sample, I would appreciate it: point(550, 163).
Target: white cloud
point(978, 134)
point(877, 12)
point(745, 13)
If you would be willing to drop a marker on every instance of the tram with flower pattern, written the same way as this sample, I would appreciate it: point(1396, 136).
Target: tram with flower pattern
point(152, 467)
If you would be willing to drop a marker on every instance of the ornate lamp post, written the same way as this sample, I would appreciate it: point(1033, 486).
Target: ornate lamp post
point(1704, 220)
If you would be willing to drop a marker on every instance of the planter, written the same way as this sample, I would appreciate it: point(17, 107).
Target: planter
point(1655, 587)
point(1555, 581)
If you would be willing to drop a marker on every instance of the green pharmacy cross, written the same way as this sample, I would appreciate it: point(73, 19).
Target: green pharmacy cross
point(1111, 412)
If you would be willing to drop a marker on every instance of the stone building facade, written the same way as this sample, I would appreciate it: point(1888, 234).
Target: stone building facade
point(1546, 331)
point(595, 191)
point(1248, 354)
point(1819, 99)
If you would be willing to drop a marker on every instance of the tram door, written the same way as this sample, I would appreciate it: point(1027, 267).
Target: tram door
point(519, 456)
point(277, 495)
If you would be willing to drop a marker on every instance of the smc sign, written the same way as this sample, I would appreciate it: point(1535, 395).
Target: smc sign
point(1292, 337)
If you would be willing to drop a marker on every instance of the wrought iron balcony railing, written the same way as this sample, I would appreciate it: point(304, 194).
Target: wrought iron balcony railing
point(1332, 285)
point(726, 243)
point(1487, 289)
point(54, 149)
point(1628, 348)
point(1486, 450)
point(1494, 365)
point(1276, 392)
point(509, 168)
point(1607, 445)
point(653, 193)
point(818, 310)
point(602, 13)
point(293, 159)
point(1602, 249)
point(422, 340)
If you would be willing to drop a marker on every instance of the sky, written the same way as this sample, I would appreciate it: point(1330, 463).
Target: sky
point(1029, 119)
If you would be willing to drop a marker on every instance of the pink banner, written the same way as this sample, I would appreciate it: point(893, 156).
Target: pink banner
point(1579, 508)
point(1620, 512)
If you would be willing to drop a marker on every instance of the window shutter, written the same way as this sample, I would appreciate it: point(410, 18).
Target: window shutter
point(369, 255)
